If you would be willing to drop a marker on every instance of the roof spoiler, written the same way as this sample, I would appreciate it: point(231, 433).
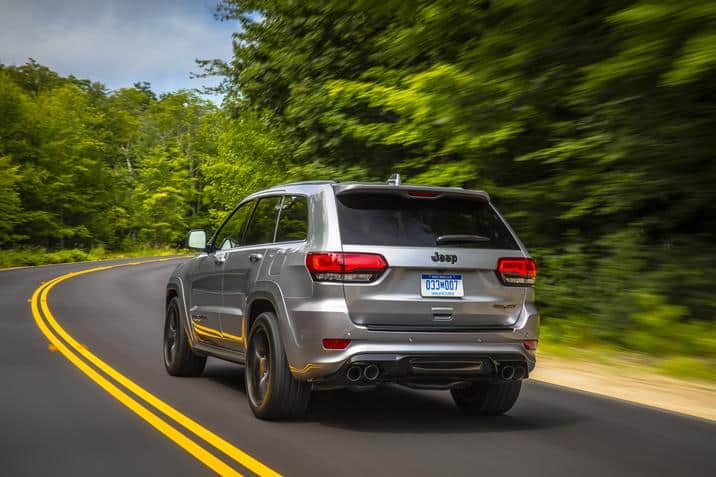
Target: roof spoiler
point(411, 191)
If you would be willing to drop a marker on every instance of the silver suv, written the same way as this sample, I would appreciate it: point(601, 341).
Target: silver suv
point(319, 285)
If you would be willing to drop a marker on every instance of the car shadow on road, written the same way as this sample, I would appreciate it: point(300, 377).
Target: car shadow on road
point(227, 374)
point(396, 409)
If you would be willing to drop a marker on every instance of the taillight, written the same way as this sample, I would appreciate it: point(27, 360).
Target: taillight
point(517, 271)
point(345, 266)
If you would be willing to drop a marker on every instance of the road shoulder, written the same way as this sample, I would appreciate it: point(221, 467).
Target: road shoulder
point(632, 384)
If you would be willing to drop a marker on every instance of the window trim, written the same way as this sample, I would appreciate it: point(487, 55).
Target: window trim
point(278, 218)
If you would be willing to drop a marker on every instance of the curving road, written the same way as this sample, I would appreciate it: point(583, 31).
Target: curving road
point(55, 420)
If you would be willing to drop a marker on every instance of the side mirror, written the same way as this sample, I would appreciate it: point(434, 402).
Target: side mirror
point(197, 239)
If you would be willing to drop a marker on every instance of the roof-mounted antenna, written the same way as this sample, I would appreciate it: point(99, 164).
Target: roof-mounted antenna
point(394, 179)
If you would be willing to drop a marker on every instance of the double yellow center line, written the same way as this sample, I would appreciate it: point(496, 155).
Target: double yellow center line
point(146, 405)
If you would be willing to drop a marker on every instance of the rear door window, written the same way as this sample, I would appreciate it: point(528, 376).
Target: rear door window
point(293, 221)
point(263, 223)
point(389, 219)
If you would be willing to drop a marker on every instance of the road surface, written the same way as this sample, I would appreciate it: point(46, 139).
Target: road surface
point(55, 419)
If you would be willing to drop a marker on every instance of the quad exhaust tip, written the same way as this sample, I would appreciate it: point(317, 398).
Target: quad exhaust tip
point(507, 372)
point(354, 374)
point(371, 372)
point(510, 372)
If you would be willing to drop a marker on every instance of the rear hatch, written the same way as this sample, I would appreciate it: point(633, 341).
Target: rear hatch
point(442, 247)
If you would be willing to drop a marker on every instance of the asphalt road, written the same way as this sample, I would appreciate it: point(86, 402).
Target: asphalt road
point(55, 420)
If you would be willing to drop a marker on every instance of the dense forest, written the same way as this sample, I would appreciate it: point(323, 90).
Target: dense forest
point(592, 125)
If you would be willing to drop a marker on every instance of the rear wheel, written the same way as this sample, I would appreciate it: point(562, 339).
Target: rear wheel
point(179, 359)
point(272, 390)
point(487, 398)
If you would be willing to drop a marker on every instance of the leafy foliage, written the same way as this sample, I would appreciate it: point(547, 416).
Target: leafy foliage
point(590, 123)
point(83, 167)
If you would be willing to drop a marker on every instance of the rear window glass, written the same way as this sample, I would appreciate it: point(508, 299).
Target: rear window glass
point(388, 219)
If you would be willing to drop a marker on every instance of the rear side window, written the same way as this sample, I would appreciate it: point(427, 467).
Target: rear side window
point(293, 221)
point(263, 222)
point(388, 219)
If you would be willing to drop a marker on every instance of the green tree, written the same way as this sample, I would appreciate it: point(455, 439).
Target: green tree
point(97, 168)
point(10, 208)
point(249, 157)
point(589, 122)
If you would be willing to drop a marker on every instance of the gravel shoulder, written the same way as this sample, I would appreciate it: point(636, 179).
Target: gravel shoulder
point(630, 383)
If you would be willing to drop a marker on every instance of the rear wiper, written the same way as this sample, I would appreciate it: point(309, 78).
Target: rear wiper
point(461, 238)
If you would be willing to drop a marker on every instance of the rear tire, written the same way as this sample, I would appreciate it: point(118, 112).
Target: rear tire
point(179, 359)
point(272, 390)
point(487, 398)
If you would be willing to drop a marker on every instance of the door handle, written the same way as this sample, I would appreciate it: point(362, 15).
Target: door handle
point(255, 257)
point(219, 258)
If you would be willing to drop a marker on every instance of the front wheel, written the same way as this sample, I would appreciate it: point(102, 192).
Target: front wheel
point(487, 398)
point(179, 359)
point(272, 390)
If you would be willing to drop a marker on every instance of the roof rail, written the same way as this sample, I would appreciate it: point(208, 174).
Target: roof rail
point(329, 181)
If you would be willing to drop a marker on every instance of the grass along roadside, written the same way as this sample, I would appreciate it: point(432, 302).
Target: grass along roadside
point(688, 368)
point(12, 258)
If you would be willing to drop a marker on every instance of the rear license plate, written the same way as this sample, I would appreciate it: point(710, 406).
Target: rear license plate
point(437, 285)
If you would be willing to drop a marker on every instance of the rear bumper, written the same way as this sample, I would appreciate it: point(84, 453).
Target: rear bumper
point(392, 351)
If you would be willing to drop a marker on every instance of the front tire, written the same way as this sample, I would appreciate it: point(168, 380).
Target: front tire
point(272, 390)
point(179, 359)
point(487, 398)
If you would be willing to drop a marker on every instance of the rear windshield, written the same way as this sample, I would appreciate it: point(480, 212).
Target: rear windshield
point(388, 219)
